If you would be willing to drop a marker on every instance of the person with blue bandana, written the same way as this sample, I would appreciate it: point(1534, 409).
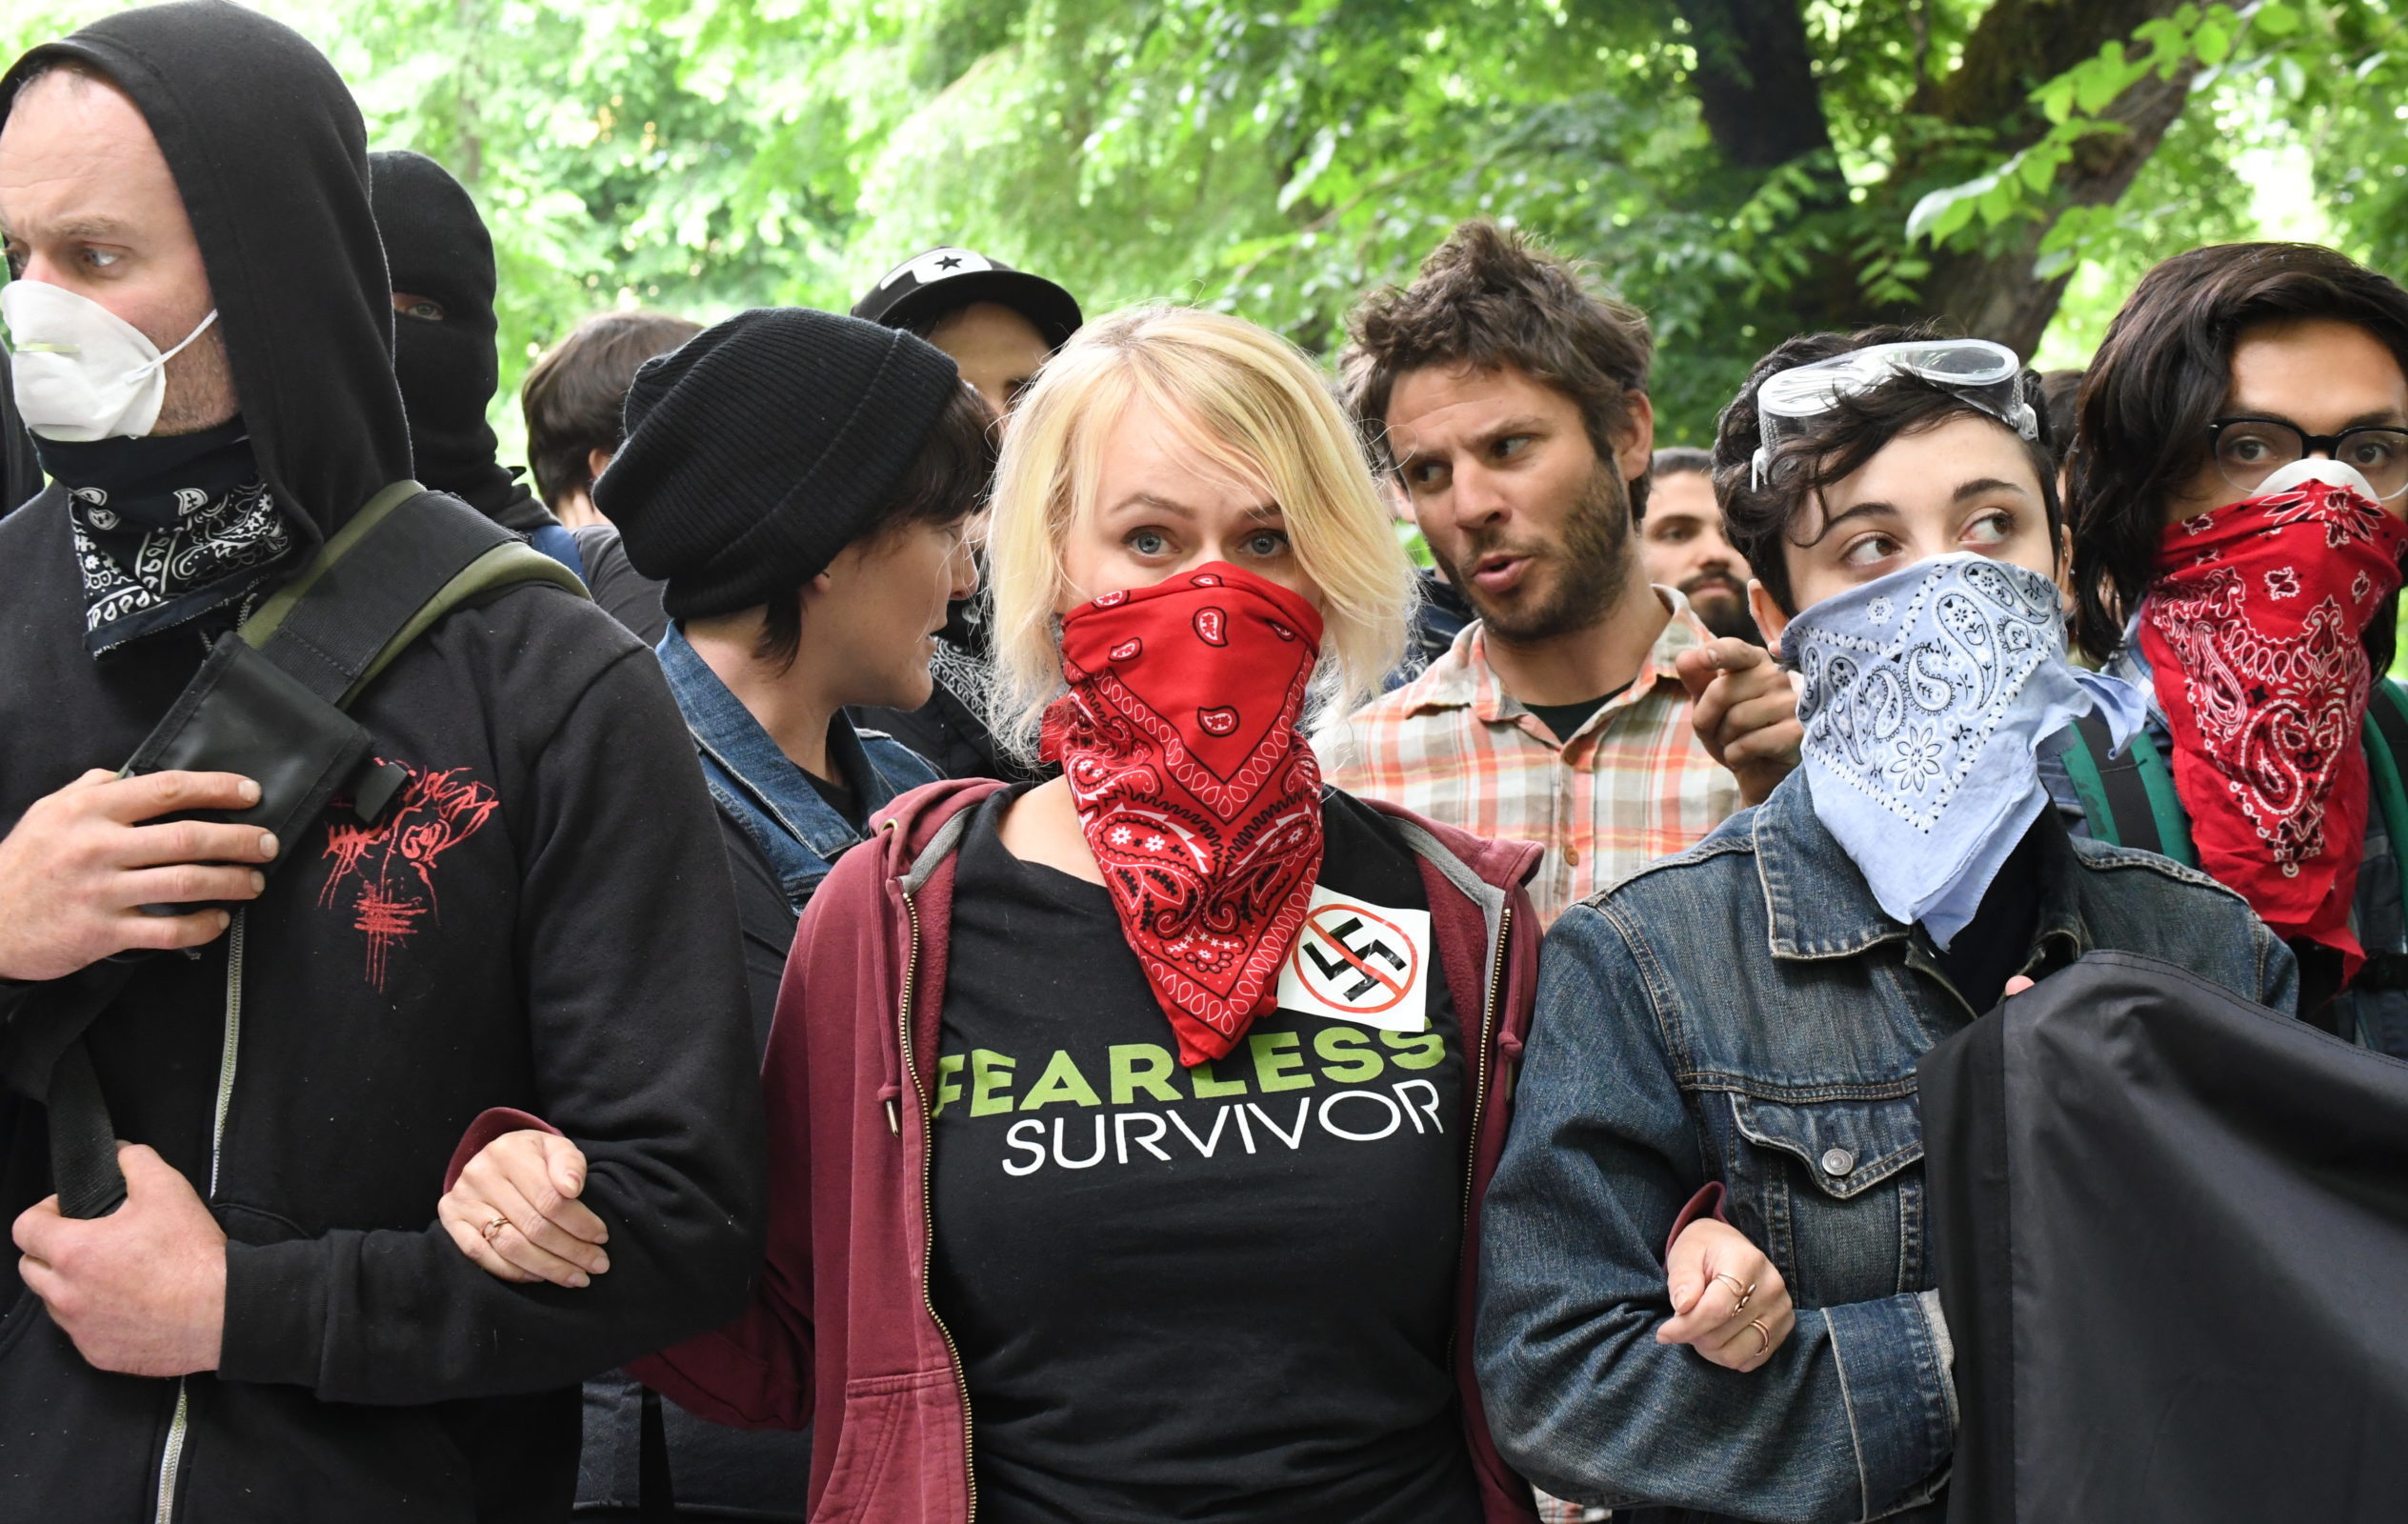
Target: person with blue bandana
point(1732, 1033)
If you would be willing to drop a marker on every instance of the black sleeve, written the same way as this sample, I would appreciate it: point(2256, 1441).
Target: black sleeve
point(768, 921)
point(634, 999)
point(623, 592)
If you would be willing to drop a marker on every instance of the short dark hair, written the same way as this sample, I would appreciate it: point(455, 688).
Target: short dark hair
point(1757, 520)
point(949, 480)
point(1675, 459)
point(2060, 394)
point(1490, 299)
point(2160, 378)
point(576, 394)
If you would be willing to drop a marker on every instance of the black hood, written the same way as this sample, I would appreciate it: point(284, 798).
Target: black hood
point(436, 247)
point(20, 473)
point(269, 152)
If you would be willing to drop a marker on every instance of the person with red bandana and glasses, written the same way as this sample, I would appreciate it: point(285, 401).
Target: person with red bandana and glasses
point(2236, 493)
point(1129, 1131)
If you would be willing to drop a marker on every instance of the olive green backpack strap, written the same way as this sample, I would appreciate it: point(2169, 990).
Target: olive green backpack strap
point(2128, 800)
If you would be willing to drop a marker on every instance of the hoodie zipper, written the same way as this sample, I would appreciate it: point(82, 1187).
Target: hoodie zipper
point(172, 1459)
point(927, 1214)
point(1479, 1084)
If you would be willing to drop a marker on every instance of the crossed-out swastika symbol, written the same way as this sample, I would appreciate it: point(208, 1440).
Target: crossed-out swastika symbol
point(1356, 961)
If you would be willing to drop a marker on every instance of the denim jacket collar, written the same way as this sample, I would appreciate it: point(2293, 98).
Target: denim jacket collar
point(758, 786)
point(1820, 904)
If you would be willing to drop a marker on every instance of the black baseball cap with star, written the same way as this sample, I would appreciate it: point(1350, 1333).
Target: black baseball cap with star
point(923, 288)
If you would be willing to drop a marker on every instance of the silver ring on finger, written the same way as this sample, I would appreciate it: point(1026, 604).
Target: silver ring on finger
point(492, 1229)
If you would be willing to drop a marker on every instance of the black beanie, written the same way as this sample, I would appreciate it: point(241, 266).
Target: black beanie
point(760, 448)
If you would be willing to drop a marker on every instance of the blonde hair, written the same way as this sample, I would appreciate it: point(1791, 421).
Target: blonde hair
point(1255, 406)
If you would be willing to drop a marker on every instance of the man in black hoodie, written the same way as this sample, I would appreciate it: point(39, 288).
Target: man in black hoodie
point(441, 258)
point(272, 1325)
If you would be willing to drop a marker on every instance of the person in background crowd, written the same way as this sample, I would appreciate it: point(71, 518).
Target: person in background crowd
point(998, 324)
point(1683, 546)
point(808, 550)
point(574, 399)
point(269, 1326)
point(1512, 406)
point(20, 471)
point(1237, 1036)
point(1735, 1028)
point(441, 260)
point(2237, 492)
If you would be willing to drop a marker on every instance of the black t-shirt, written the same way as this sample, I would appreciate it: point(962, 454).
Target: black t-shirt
point(1562, 719)
point(1992, 947)
point(840, 796)
point(1218, 1295)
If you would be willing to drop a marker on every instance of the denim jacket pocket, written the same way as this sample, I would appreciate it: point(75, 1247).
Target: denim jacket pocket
point(1834, 1187)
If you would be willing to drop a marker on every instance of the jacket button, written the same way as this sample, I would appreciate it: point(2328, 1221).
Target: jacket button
point(1838, 1161)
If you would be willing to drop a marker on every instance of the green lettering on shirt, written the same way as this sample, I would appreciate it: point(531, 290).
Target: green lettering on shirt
point(989, 1079)
point(1416, 1049)
point(1275, 1059)
point(1347, 1055)
point(947, 1088)
point(1061, 1081)
point(1201, 1080)
point(1141, 1066)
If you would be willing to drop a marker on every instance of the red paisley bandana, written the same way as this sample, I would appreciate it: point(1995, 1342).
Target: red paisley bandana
point(2253, 627)
point(1199, 797)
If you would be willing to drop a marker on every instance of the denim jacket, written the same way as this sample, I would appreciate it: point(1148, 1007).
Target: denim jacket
point(2374, 1017)
point(759, 788)
point(1744, 1012)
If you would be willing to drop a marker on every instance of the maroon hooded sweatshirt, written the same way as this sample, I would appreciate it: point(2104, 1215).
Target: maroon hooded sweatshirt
point(841, 1330)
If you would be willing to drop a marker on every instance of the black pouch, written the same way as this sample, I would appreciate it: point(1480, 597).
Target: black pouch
point(243, 713)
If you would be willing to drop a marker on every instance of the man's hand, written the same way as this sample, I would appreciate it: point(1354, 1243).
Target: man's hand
point(141, 1291)
point(1745, 710)
point(80, 866)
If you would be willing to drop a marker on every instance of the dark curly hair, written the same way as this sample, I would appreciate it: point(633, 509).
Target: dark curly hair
point(2158, 380)
point(1490, 299)
point(1759, 521)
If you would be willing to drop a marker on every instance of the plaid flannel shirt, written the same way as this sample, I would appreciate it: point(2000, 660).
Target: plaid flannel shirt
point(1631, 785)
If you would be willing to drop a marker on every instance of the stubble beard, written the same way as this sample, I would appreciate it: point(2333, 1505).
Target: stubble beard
point(200, 389)
point(1592, 565)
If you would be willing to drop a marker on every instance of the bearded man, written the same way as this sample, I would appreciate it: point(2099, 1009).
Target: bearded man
point(1584, 710)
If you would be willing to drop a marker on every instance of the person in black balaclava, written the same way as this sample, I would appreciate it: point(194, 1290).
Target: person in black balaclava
point(441, 259)
point(272, 1325)
point(20, 473)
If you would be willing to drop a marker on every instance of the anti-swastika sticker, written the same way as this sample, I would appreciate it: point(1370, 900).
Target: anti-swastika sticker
point(1358, 962)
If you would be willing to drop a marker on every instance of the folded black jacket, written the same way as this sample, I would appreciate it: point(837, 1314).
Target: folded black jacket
point(2171, 1228)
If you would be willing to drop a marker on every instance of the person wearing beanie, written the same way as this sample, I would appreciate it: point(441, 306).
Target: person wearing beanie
point(441, 259)
point(1000, 324)
point(799, 483)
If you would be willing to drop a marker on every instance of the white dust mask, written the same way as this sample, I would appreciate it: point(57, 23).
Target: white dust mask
point(2316, 469)
point(80, 371)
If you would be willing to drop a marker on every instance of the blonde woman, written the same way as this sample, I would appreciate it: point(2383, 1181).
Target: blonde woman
point(1169, 1210)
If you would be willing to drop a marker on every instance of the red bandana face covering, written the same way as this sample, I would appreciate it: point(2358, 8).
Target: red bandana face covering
point(2253, 627)
point(1198, 797)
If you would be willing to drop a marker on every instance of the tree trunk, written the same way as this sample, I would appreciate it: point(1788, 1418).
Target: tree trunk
point(1755, 80)
point(1999, 295)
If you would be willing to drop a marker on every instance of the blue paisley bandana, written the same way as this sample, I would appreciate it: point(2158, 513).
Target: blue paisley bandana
point(1927, 693)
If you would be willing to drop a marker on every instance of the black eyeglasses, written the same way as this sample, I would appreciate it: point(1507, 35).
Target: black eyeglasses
point(2250, 450)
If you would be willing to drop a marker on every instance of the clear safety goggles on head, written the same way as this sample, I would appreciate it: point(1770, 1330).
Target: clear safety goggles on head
point(1986, 374)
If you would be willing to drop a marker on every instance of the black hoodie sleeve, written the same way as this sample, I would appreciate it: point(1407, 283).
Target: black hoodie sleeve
point(636, 997)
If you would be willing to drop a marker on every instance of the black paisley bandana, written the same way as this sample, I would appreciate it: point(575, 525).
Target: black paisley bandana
point(165, 528)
